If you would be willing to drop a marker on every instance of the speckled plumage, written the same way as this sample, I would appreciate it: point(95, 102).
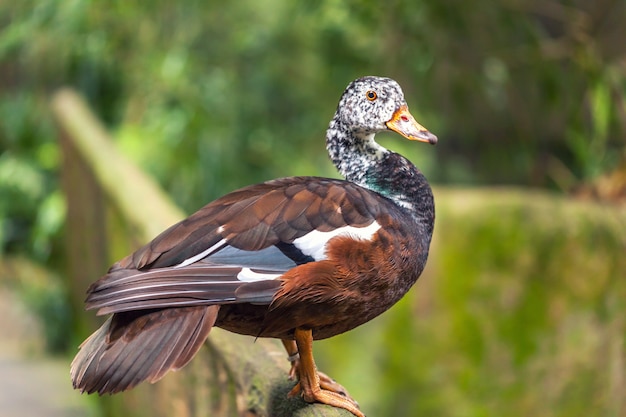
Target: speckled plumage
point(297, 258)
point(359, 158)
point(350, 135)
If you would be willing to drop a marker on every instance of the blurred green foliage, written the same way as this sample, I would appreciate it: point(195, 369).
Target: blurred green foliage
point(212, 96)
point(48, 301)
point(45, 295)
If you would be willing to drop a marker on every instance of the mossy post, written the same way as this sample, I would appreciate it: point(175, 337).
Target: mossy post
point(113, 207)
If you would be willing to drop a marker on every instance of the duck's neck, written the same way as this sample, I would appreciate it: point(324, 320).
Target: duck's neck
point(353, 153)
point(361, 160)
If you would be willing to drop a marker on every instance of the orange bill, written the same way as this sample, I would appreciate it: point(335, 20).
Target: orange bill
point(405, 124)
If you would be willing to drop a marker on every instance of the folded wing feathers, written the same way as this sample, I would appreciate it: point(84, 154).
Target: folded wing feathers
point(193, 285)
point(178, 272)
point(256, 217)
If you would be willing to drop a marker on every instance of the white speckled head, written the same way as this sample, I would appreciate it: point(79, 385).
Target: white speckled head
point(368, 103)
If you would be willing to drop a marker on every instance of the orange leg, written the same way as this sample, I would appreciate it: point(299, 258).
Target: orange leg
point(326, 382)
point(313, 386)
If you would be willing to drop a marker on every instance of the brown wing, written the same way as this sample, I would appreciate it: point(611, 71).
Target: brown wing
point(199, 261)
point(261, 215)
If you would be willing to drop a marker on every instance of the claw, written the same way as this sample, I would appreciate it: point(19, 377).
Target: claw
point(315, 386)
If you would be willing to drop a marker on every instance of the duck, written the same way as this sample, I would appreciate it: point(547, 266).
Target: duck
point(297, 259)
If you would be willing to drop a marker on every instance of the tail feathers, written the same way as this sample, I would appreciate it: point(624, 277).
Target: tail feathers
point(132, 347)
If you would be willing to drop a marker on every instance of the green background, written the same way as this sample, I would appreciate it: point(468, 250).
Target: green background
point(518, 314)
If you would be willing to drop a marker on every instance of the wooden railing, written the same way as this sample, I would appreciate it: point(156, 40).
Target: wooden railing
point(113, 208)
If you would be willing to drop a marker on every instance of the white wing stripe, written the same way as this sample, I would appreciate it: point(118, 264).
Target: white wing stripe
point(314, 243)
point(248, 275)
point(201, 255)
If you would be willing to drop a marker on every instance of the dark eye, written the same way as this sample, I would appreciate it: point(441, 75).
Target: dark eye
point(371, 95)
